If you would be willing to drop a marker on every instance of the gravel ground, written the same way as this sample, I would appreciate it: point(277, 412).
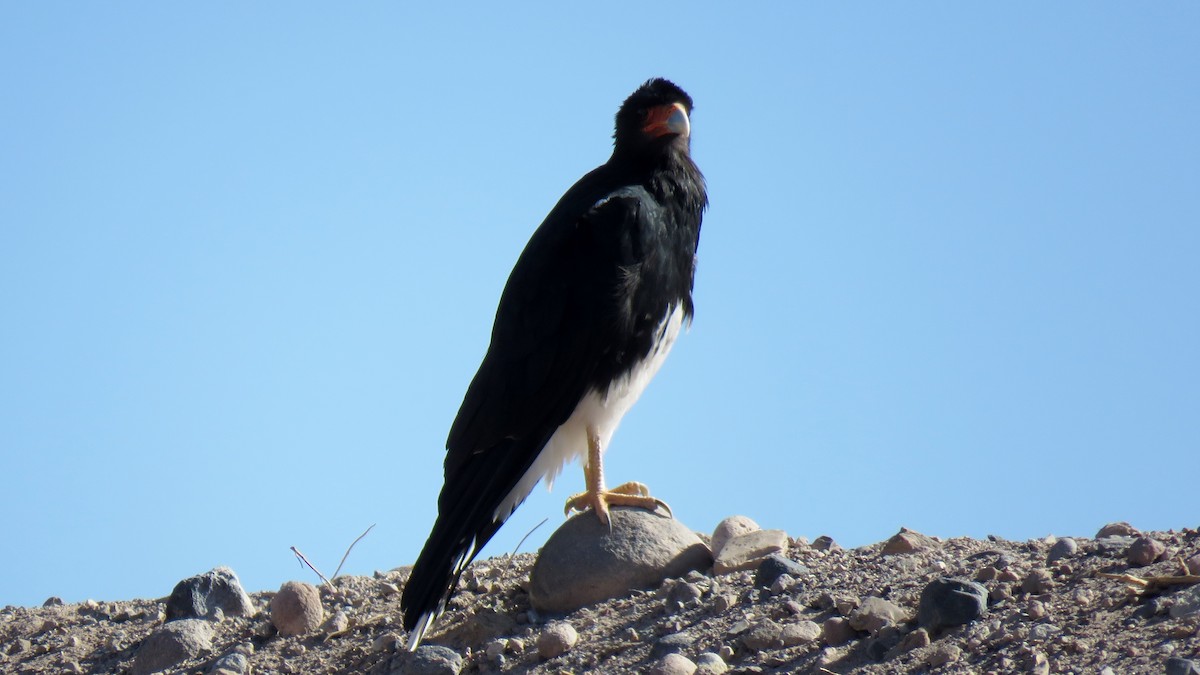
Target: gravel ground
point(1071, 605)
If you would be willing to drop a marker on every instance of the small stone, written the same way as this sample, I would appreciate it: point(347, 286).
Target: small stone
point(201, 596)
point(673, 664)
point(387, 642)
point(232, 662)
point(1063, 548)
point(1187, 602)
point(726, 653)
point(296, 608)
point(495, 649)
point(747, 551)
point(516, 646)
point(430, 660)
point(774, 566)
point(800, 633)
point(709, 663)
point(764, 634)
point(684, 593)
point(986, 573)
point(948, 601)
point(53, 601)
point(1178, 666)
point(173, 643)
point(943, 654)
point(336, 623)
point(837, 631)
point(1193, 564)
point(1038, 664)
point(1036, 610)
point(914, 640)
point(556, 639)
point(1144, 551)
point(1113, 546)
point(825, 543)
point(1038, 581)
point(907, 541)
point(1121, 529)
point(722, 603)
point(675, 643)
point(875, 613)
point(728, 529)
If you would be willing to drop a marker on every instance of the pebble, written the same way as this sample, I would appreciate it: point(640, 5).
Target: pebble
point(387, 642)
point(747, 551)
point(495, 649)
point(825, 543)
point(674, 643)
point(1193, 564)
point(202, 596)
point(557, 639)
point(799, 633)
point(1113, 546)
point(1178, 666)
point(1037, 581)
point(709, 663)
point(1144, 551)
point(296, 608)
point(914, 640)
point(1063, 548)
point(1035, 610)
point(773, 567)
point(336, 623)
point(430, 660)
point(944, 654)
point(1186, 602)
point(764, 634)
point(53, 601)
point(722, 603)
point(684, 593)
point(907, 541)
point(1120, 529)
point(728, 529)
point(234, 662)
point(673, 664)
point(837, 631)
point(874, 613)
point(173, 643)
point(949, 601)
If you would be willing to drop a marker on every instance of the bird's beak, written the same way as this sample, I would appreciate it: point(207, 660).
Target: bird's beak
point(667, 119)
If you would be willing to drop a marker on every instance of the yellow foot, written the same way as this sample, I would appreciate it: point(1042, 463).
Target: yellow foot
point(626, 494)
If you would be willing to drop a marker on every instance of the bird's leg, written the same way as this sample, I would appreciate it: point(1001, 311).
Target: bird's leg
point(598, 498)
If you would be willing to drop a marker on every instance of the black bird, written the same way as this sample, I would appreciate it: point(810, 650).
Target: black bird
point(589, 312)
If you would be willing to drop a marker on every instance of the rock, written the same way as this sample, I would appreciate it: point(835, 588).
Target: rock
point(1063, 548)
point(775, 565)
point(709, 663)
point(296, 609)
point(799, 633)
point(684, 593)
point(837, 631)
point(747, 551)
point(943, 654)
point(764, 634)
point(1178, 666)
point(948, 601)
point(914, 640)
point(336, 623)
point(1037, 581)
point(585, 561)
point(1121, 529)
point(673, 664)
point(557, 638)
point(874, 613)
point(387, 642)
point(1187, 602)
point(907, 541)
point(233, 662)
point(1144, 551)
point(201, 596)
point(1193, 564)
point(53, 601)
point(728, 529)
point(675, 643)
point(825, 543)
point(172, 644)
point(1113, 546)
point(428, 660)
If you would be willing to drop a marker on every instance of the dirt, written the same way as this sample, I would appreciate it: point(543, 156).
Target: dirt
point(1082, 613)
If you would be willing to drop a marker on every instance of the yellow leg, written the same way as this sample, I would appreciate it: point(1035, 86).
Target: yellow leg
point(598, 498)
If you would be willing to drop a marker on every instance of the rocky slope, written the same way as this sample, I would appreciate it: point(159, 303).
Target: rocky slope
point(1120, 602)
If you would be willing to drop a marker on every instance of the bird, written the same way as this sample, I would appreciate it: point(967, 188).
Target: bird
point(588, 314)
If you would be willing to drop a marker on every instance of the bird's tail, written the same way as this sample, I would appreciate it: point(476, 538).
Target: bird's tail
point(466, 521)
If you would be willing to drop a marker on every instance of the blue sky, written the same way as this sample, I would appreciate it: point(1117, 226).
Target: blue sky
point(250, 255)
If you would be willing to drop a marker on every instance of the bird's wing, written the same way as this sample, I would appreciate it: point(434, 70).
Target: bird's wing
point(560, 317)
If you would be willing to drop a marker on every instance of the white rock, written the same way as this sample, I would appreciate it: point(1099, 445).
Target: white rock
point(557, 639)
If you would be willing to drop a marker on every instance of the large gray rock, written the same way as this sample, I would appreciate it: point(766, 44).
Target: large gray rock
point(172, 644)
point(947, 601)
point(586, 562)
point(199, 597)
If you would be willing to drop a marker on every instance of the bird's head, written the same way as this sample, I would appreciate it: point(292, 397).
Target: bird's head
point(654, 119)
